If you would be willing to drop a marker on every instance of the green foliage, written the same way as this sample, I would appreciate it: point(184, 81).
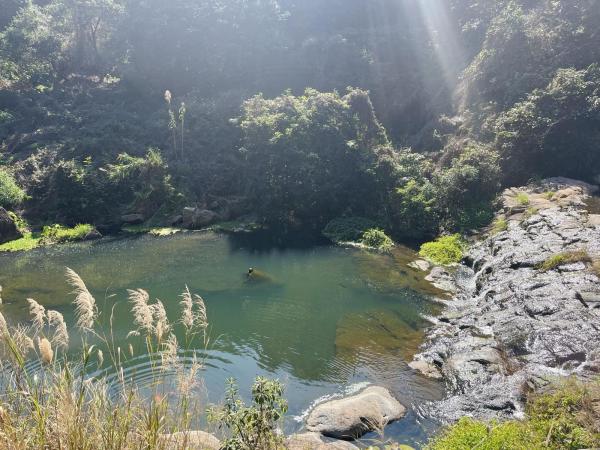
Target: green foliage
point(55, 234)
point(562, 419)
point(561, 259)
point(445, 250)
point(252, 427)
point(347, 229)
point(469, 433)
point(522, 199)
point(500, 225)
point(553, 131)
point(309, 157)
point(377, 238)
point(141, 184)
point(10, 193)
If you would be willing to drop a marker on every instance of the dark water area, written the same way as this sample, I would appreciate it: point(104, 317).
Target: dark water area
point(324, 320)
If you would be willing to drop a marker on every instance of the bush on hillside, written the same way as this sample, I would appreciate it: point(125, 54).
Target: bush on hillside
point(10, 193)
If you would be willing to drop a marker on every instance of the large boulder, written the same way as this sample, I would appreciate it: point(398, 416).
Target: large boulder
point(351, 417)
point(190, 440)
point(315, 441)
point(132, 219)
point(197, 218)
point(8, 228)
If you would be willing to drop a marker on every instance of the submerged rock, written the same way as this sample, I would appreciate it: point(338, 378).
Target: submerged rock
point(377, 332)
point(351, 417)
point(190, 440)
point(8, 228)
point(315, 441)
point(513, 326)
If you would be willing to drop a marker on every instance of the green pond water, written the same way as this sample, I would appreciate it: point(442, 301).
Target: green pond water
point(326, 321)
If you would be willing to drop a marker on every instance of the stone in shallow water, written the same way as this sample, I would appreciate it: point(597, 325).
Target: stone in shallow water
point(378, 332)
point(427, 369)
point(314, 441)
point(351, 417)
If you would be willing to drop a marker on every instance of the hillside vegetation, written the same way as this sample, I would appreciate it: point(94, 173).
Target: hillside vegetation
point(115, 107)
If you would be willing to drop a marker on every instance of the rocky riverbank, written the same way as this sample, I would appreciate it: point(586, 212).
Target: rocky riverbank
point(527, 305)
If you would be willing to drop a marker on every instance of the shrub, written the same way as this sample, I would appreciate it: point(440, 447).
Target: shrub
point(10, 193)
point(347, 229)
point(522, 199)
point(500, 225)
point(59, 233)
point(252, 427)
point(560, 259)
point(444, 250)
point(377, 238)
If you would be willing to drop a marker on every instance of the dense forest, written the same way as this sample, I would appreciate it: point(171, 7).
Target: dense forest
point(412, 114)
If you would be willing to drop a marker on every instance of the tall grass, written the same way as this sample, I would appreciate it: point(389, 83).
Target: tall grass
point(53, 399)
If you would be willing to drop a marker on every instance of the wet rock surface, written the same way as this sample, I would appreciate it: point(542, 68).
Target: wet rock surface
point(351, 417)
point(511, 326)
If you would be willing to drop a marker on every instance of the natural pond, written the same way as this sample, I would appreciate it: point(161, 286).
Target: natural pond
point(325, 320)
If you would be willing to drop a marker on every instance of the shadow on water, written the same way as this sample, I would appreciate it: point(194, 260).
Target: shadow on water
point(320, 318)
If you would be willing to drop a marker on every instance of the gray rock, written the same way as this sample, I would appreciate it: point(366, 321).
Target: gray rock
point(92, 235)
point(176, 220)
point(8, 227)
point(511, 325)
point(315, 441)
point(427, 369)
point(351, 417)
point(420, 264)
point(194, 218)
point(190, 440)
point(132, 219)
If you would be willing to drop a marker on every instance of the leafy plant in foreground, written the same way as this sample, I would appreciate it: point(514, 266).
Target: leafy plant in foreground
point(253, 427)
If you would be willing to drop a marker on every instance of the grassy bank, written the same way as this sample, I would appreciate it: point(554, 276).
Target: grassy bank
point(53, 234)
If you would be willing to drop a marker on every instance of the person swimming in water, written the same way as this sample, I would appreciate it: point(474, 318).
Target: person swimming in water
point(256, 276)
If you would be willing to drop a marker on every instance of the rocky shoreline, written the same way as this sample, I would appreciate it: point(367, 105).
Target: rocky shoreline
point(526, 308)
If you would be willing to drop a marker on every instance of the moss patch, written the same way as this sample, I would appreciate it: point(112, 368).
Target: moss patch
point(445, 250)
point(561, 259)
point(29, 241)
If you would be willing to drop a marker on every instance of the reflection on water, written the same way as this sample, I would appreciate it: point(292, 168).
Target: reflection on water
point(321, 319)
